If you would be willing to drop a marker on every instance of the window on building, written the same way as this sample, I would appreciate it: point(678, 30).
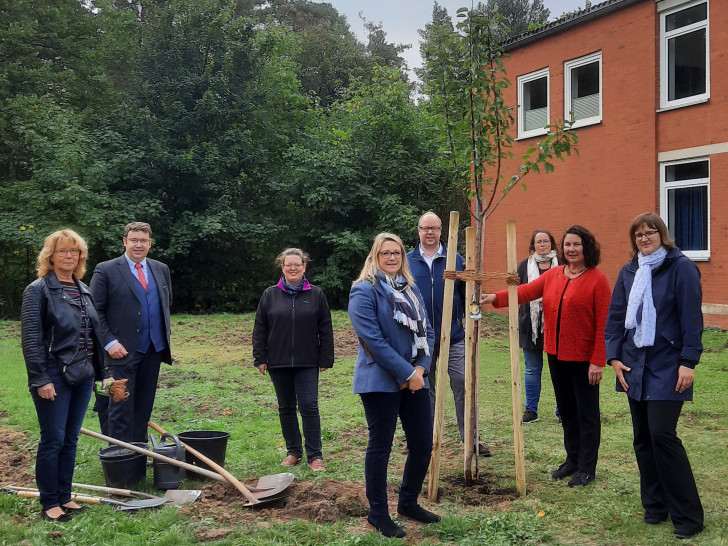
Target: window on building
point(533, 103)
point(684, 77)
point(583, 90)
point(685, 205)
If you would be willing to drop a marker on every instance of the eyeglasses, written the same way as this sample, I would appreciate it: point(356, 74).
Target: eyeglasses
point(139, 241)
point(645, 235)
point(430, 229)
point(292, 266)
point(391, 253)
point(63, 251)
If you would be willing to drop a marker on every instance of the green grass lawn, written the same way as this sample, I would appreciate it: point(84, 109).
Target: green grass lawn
point(213, 386)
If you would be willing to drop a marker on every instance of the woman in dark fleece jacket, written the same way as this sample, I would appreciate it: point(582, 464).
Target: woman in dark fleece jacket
point(293, 339)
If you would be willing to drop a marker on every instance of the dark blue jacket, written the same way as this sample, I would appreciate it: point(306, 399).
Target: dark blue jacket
point(384, 361)
point(677, 297)
point(432, 287)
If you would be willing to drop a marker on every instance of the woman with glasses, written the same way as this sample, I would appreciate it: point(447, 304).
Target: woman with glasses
point(575, 304)
point(654, 341)
point(542, 248)
point(395, 343)
point(293, 339)
point(62, 343)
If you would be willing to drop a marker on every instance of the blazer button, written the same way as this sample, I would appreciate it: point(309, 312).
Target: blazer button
point(138, 330)
point(139, 314)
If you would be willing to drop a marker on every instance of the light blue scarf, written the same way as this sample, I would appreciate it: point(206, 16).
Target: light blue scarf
point(641, 296)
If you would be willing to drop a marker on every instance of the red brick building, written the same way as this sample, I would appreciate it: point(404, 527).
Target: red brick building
point(647, 81)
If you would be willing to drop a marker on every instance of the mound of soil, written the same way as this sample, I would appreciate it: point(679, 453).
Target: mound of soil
point(14, 457)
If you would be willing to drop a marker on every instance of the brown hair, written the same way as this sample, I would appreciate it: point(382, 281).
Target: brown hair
point(138, 226)
point(650, 219)
point(44, 264)
point(592, 251)
point(371, 264)
point(292, 252)
point(532, 244)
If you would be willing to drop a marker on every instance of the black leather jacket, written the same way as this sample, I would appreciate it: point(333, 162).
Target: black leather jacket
point(51, 328)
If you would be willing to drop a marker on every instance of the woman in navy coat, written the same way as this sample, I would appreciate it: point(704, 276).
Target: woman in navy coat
point(653, 341)
point(395, 344)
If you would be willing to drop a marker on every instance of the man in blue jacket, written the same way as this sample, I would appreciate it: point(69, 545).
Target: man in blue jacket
point(427, 263)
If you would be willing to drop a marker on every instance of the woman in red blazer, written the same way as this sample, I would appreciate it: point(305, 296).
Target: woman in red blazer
point(575, 305)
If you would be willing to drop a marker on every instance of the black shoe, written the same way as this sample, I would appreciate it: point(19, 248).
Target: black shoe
point(563, 471)
point(481, 450)
point(385, 526)
point(73, 510)
point(687, 533)
point(529, 417)
point(63, 518)
point(651, 519)
point(581, 478)
point(418, 513)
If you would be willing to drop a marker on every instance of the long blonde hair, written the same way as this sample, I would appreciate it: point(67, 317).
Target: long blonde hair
point(371, 264)
point(43, 263)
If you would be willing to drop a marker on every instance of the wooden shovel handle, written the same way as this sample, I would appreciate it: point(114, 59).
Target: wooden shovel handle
point(31, 494)
point(212, 464)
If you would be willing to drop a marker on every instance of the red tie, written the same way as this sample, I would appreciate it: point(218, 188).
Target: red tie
point(142, 279)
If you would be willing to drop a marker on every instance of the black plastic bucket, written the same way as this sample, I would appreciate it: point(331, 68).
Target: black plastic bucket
point(168, 476)
point(210, 443)
point(123, 467)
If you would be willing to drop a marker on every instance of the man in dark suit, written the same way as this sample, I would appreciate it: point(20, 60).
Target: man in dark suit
point(133, 295)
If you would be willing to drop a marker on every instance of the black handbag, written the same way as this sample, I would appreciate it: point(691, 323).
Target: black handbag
point(79, 370)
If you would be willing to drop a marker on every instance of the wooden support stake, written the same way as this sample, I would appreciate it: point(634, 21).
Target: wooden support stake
point(515, 361)
point(471, 412)
point(443, 358)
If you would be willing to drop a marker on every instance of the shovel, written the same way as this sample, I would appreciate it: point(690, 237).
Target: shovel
point(139, 504)
point(267, 486)
point(173, 496)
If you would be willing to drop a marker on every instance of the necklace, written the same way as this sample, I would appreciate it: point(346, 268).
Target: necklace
point(576, 273)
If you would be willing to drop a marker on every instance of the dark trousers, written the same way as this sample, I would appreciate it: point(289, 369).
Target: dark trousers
point(667, 485)
point(456, 371)
point(60, 422)
point(578, 404)
point(127, 420)
point(381, 410)
point(298, 387)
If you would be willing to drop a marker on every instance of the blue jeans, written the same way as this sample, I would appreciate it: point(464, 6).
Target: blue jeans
point(298, 387)
point(532, 378)
point(381, 410)
point(60, 422)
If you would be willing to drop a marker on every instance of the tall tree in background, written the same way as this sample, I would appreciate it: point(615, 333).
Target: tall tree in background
point(519, 16)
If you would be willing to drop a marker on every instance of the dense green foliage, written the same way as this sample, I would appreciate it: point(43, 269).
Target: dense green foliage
point(235, 127)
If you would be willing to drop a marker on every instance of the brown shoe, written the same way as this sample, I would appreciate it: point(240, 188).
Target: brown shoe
point(290, 460)
point(317, 465)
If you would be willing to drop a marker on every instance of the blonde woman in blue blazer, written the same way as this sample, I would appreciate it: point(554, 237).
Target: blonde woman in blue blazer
point(395, 344)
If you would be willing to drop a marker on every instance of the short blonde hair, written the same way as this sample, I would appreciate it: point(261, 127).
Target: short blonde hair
point(371, 264)
point(43, 262)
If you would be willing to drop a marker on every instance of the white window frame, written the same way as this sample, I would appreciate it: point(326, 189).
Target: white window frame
point(522, 80)
point(568, 67)
point(696, 255)
point(665, 37)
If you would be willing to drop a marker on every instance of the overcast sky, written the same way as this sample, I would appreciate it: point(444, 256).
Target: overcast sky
point(401, 19)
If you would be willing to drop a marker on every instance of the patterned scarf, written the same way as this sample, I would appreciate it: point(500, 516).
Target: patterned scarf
point(533, 273)
point(407, 310)
point(640, 298)
point(295, 289)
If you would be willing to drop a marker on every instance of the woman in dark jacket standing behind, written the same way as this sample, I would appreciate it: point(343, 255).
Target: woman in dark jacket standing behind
point(653, 340)
point(293, 339)
point(59, 325)
point(542, 257)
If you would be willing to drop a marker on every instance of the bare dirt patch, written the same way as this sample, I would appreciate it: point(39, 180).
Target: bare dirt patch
point(14, 457)
point(346, 343)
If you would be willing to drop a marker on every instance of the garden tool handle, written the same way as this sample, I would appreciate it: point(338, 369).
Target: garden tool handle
point(212, 464)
